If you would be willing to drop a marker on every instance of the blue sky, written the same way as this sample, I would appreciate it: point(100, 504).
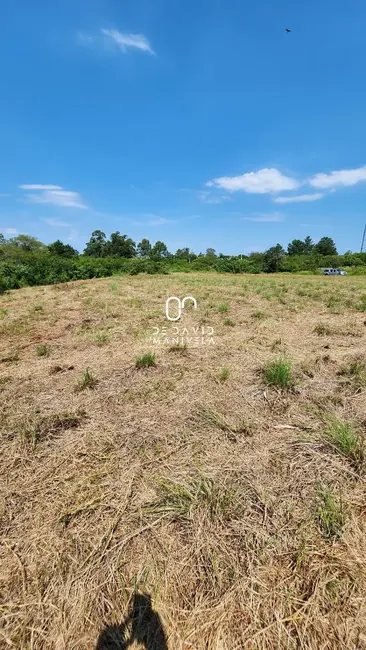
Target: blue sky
point(200, 123)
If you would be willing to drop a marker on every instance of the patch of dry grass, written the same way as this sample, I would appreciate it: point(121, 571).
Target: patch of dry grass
point(238, 507)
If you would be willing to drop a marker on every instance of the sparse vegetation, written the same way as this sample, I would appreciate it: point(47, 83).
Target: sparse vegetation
point(10, 356)
point(258, 314)
point(47, 427)
point(88, 381)
point(355, 370)
point(182, 348)
point(229, 322)
point(192, 481)
point(223, 308)
point(322, 330)
point(200, 495)
point(101, 338)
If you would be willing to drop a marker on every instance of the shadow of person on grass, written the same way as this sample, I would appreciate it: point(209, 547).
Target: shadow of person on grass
point(145, 628)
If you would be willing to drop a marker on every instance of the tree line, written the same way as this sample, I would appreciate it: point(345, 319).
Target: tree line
point(123, 246)
point(24, 260)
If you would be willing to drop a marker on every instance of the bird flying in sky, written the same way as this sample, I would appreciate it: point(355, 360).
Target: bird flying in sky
point(288, 30)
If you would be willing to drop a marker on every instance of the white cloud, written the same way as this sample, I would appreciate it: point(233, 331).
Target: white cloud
point(57, 223)
point(269, 218)
point(40, 187)
point(54, 195)
point(264, 181)
point(9, 231)
point(301, 198)
point(345, 177)
point(126, 41)
point(4, 194)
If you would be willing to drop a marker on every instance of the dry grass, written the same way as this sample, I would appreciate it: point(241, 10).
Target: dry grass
point(239, 507)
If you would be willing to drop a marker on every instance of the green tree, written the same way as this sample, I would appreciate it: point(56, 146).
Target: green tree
point(326, 246)
point(61, 249)
point(2, 239)
point(144, 248)
point(96, 244)
point(159, 250)
point(184, 254)
point(210, 252)
point(26, 243)
point(296, 247)
point(120, 246)
point(257, 259)
point(273, 258)
point(309, 244)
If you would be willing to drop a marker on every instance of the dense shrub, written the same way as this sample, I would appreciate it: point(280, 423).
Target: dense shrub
point(20, 268)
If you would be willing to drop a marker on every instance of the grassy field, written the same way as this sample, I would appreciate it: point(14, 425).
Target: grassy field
point(223, 477)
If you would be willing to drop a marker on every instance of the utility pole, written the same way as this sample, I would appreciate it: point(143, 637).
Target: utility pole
point(363, 238)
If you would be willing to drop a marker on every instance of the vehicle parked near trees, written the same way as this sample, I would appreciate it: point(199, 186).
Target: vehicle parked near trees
point(334, 272)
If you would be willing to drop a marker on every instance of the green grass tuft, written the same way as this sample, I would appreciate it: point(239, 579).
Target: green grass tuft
point(101, 338)
point(279, 373)
point(258, 314)
point(223, 308)
point(43, 350)
point(330, 515)
point(322, 330)
point(146, 360)
point(182, 501)
point(88, 381)
point(344, 437)
point(224, 373)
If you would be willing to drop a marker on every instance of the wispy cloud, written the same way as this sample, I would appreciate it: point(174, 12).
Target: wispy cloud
point(208, 197)
point(314, 225)
point(264, 181)
point(4, 194)
point(56, 223)
point(40, 187)
point(159, 221)
point(301, 198)
point(73, 234)
point(54, 195)
point(344, 177)
point(269, 218)
point(8, 231)
point(84, 38)
point(128, 41)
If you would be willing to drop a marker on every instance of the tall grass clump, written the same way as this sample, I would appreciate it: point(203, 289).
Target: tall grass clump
point(146, 360)
point(279, 373)
point(344, 437)
point(329, 514)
